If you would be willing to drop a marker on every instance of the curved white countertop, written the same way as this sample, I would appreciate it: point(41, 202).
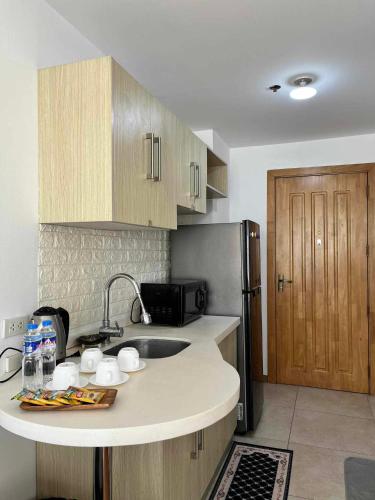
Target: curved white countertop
point(171, 397)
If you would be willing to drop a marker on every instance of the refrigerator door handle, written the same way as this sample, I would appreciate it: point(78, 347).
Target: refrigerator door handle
point(245, 236)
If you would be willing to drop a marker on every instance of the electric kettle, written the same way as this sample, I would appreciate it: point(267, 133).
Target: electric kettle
point(60, 323)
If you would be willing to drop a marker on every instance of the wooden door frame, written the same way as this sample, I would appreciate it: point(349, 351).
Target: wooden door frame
point(272, 176)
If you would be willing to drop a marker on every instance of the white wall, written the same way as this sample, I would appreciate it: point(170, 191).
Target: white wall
point(248, 181)
point(215, 143)
point(31, 35)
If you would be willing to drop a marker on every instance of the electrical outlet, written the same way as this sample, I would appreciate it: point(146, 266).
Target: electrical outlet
point(15, 326)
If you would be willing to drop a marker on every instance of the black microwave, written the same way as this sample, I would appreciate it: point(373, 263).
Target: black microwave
point(175, 303)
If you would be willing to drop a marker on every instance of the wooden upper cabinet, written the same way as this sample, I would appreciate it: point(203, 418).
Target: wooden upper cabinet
point(75, 142)
point(200, 153)
point(132, 196)
point(163, 126)
point(95, 148)
point(192, 172)
point(184, 181)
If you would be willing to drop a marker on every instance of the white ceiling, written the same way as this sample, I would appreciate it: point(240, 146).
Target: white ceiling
point(211, 61)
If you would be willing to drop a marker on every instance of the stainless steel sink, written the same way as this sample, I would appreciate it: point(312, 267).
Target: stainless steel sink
point(151, 348)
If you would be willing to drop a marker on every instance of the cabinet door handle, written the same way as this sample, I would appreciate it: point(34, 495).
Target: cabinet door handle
point(201, 440)
point(158, 142)
point(151, 172)
point(197, 181)
point(192, 179)
point(194, 453)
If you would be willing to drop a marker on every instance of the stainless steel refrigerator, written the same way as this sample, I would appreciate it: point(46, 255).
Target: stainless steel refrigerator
point(227, 257)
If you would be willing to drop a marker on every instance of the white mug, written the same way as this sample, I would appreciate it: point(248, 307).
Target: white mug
point(90, 359)
point(128, 358)
point(108, 372)
point(65, 374)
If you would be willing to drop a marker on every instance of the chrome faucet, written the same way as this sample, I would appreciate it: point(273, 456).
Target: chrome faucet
point(118, 331)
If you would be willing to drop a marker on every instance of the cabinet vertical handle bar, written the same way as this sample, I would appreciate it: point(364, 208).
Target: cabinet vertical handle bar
point(192, 179)
point(151, 171)
point(158, 142)
point(201, 440)
point(197, 182)
point(194, 453)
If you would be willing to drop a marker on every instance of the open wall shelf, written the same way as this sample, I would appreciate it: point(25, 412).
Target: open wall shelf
point(217, 176)
point(213, 192)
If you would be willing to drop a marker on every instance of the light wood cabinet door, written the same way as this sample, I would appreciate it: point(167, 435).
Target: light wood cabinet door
point(163, 125)
point(215, 440)
point(137, 472)
point(184, 177)
point(181, 469)
point(134, 195)
point(228, 349)
point(200, 155)
point(64, 472)
point(190, 160)
point(75, 142)
point(192, 172)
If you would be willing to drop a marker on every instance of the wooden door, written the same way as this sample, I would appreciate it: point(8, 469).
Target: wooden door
point(321, 247)
point(163, 125)
point(133, 196)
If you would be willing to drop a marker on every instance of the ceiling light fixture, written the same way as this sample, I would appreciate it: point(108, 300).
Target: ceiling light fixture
point(303, 91)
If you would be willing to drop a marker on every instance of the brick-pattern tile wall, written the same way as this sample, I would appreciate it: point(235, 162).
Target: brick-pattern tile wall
point(74, 264)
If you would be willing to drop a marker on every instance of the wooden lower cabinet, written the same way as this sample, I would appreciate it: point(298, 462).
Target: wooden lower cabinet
point(64, 471)
point(228, 349)
point(165, 470)
point(216, 440)
point(180, 468)
point(137, 472)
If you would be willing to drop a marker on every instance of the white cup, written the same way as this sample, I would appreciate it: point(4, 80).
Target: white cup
point(108, 372)
point(128, 358)
point(65, 374)
point(90, 359)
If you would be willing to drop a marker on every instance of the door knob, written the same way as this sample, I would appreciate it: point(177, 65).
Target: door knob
point(281, 281)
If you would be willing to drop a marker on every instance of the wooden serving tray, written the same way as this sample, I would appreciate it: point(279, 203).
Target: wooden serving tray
point(107, 401)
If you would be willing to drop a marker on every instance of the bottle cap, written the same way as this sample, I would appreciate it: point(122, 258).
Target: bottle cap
point(32, 326)
point(46, 322)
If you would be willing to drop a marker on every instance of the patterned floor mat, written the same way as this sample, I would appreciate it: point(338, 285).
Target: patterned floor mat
point(254, 472)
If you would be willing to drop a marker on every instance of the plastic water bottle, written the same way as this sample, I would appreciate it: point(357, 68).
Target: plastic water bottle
point(32, 365)
point(48, 350)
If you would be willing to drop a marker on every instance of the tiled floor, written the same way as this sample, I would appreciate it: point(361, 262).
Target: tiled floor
point(323, 428)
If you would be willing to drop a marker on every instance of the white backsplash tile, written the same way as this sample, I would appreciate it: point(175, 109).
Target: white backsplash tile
point(74, 264)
